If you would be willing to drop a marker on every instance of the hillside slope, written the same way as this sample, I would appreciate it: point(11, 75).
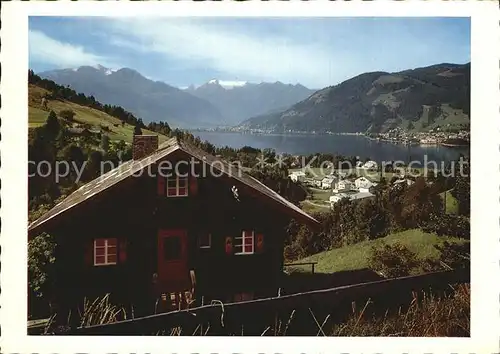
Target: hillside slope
point(356, 256)
point(418, 99)
point(83, 115)
point(148, 99)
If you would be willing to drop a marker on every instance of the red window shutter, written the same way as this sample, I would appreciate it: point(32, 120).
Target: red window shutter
point(89, 253)
point(229, 245)
point(161, 185)
point(193, 185)
point(259, 242)
point(123, 251)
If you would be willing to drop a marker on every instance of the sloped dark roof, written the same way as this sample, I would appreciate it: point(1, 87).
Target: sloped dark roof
point(236, 173)
point(132, 167)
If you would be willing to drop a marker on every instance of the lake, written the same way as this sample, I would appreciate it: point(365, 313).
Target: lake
point(347, 145)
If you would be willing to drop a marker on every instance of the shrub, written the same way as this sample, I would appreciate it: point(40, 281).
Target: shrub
point(105, 128)
point(40, 263)
point(455, 255)
point(449, 225)
point(52, 126)
point(393, 260)
point(293, 252)
point(452, 256)
point(67, 114)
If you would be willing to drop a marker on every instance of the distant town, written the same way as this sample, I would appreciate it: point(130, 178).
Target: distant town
point(353, 185)
point(438, 136)
point(432, 137)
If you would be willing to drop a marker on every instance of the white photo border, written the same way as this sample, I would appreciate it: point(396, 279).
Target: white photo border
point(485, 131)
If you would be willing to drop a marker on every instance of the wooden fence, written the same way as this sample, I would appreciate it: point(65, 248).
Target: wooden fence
point(312, 264)
point(335, 299)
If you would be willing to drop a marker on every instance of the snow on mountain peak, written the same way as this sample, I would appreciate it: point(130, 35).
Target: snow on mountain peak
point(106, 71)
point(227, 84)
point(99, 67)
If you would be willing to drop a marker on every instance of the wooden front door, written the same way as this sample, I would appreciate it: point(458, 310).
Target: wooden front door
point(173, 272)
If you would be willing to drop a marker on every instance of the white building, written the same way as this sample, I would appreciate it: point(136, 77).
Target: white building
point(313, 182)
point(364, 183)
point(370, 165)
point(337, 197)
point(362, 195)
point(316, 183)
point(297, 176)
point(327, 182)
point(343, 186)
point(351, 196)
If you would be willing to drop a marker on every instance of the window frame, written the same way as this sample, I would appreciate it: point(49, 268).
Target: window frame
point(106, 254)
point(243, 238)
point(209, 242)
point(176, 178)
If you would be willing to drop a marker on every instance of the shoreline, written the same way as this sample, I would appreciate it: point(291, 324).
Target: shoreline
point(436, 144)
point(455, 145)
point(271, 134)
point(419, 143)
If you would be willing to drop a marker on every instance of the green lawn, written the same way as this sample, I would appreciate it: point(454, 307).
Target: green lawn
point(314, 208)
point(320, 195)
point(356, 256)
point(451, 202)
point(319, 201)
point(37, 116)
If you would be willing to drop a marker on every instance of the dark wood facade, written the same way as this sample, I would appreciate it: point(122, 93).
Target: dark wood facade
point(146, 223)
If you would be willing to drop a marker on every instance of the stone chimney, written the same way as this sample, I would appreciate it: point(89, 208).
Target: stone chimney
point(144, 145)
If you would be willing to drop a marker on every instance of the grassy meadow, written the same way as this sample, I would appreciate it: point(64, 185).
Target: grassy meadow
point(356, 256)
point(84, 115)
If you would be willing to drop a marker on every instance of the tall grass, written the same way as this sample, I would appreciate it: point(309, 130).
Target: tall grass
point(97, 312)
point(100, 311)
point(426, 316)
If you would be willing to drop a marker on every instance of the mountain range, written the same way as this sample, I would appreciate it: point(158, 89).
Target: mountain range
point(240, 101)
point(209, 105)
point(418, 99)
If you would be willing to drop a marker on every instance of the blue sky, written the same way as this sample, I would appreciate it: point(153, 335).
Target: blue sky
point(316, 52)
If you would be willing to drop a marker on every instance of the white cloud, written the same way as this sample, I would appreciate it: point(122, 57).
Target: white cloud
point(268, 56)
point(51, 51)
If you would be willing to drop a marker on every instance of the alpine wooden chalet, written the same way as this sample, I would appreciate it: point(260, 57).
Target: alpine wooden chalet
point(135, 233)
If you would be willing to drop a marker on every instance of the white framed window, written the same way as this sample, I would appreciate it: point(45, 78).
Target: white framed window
point(205, 240)
point(177, 186)
point(105, 251)
point(244, 244)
